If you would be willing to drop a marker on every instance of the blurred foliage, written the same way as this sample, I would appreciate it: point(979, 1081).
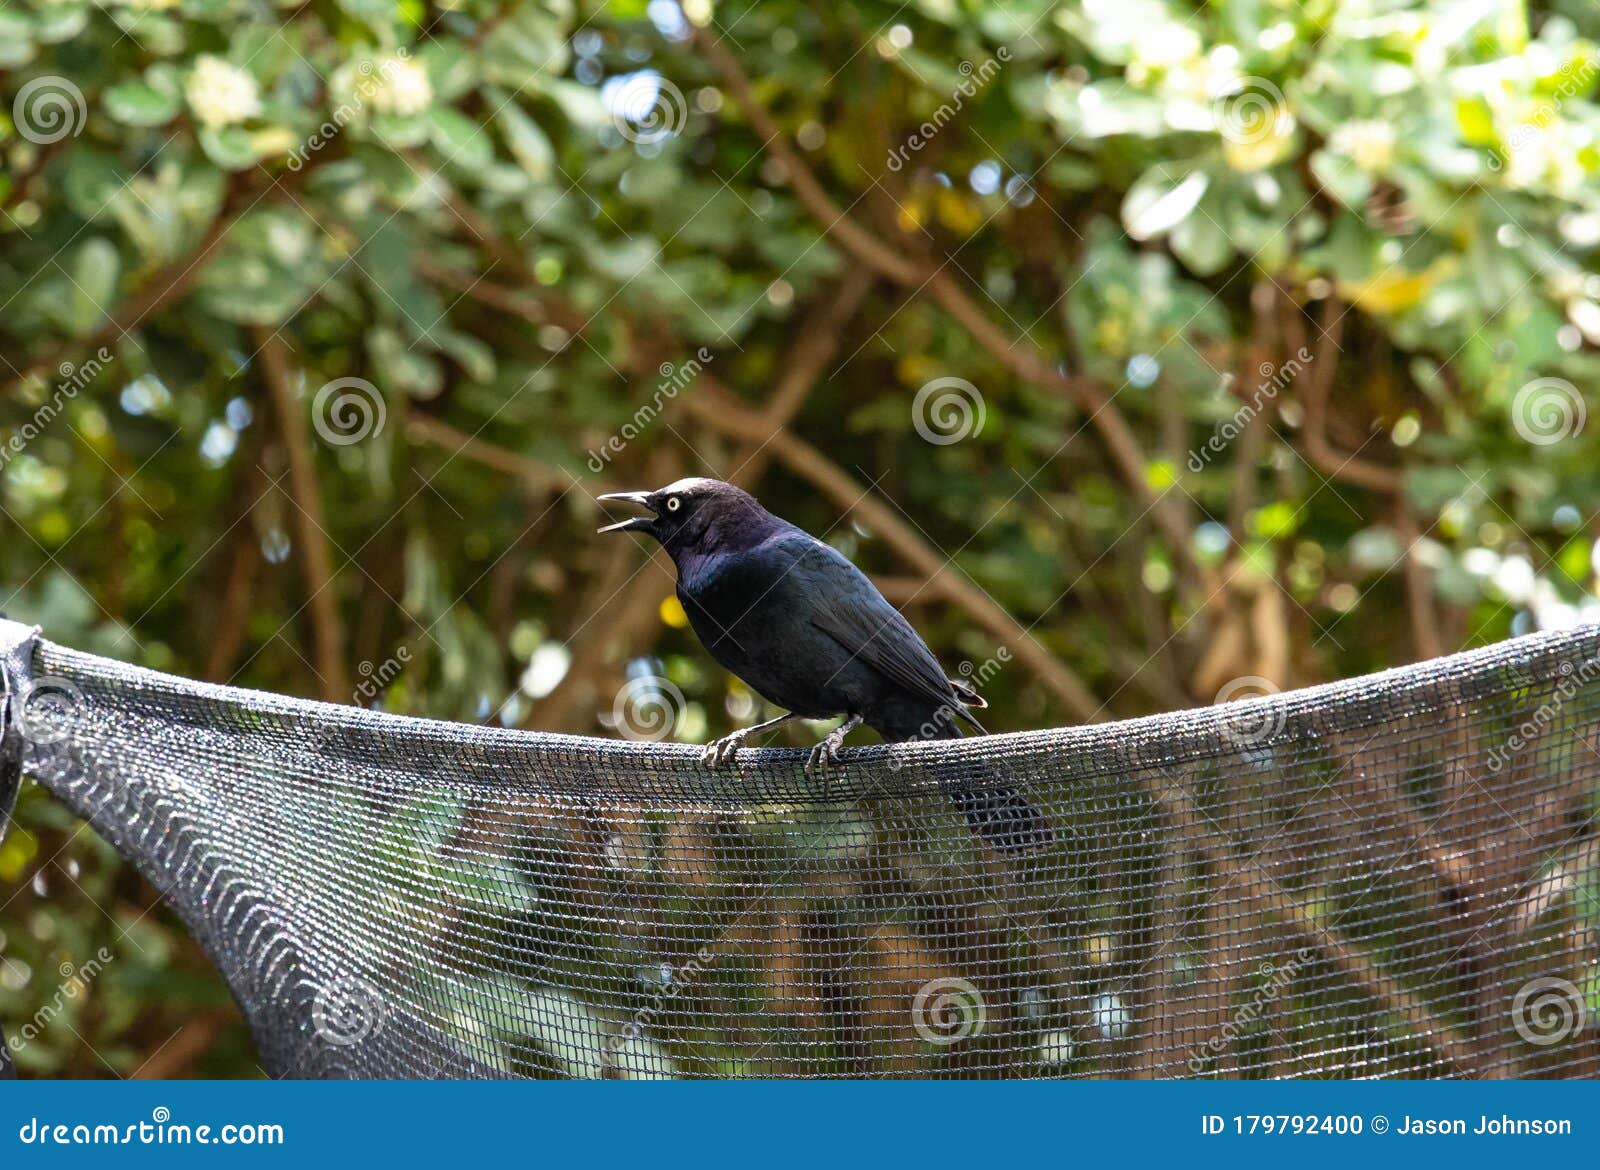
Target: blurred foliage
point(513, 218)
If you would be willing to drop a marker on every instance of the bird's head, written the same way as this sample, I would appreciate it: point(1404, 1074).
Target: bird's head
point(695, 514)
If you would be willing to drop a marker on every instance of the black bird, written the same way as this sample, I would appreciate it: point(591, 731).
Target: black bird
point(810, 633)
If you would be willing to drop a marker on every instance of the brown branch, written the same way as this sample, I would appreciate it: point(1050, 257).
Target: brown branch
point(803, 363)
point(504, 252)
point(22, 183)
point(544, 476)
point(534, 310)
point(1018, 354)
point(1425, 633)
point(317, 561)
point(1270, 899)
point(1316, 383)
point(227, 639)
point(168, 285)
point(626, 617)
point(717, 408)
point(1255, 358)
point(181, 1050)
point(861, 243)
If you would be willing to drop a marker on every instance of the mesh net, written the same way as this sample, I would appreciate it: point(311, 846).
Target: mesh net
point(1395, 876)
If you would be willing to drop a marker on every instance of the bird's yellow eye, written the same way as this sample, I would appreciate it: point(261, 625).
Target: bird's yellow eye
point(673, 503)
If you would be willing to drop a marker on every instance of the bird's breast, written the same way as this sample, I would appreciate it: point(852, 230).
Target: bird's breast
point(754, 628)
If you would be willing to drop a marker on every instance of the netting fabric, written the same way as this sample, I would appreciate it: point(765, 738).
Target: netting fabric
point(1397, 876)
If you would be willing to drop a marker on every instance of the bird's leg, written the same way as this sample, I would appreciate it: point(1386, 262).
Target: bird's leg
point(721, 751)
point(826, 753)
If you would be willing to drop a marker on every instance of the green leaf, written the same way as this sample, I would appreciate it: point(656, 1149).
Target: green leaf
point(95, 272)
point(460, 140)
point(526, 141)
point(16, 40)
point(269, 266)
point(1341, 178)
point(1202, 245)
point(374, 12)
point(1161, 200)
point(138, 104)
point(230, 147)
point(472, 355)
point(401, 368)
point(400, 131)
point(55, 23)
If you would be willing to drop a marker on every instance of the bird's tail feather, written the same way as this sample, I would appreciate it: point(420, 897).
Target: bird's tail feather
point(995, 810)
point(1004, 818)
point(968, 693)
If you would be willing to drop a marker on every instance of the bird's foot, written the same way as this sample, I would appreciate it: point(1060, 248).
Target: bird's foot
point(719, 753)
point(825, 756)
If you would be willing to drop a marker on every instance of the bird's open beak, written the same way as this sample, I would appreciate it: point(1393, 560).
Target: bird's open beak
point(637, 523)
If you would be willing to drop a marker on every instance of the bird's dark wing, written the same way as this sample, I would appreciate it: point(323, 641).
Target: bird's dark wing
point(876, 633)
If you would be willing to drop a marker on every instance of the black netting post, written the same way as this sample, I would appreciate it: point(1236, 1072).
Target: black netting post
point(16, 652)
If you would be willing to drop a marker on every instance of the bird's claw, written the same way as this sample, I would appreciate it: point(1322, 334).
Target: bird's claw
point(825, 756)
point(719, 753)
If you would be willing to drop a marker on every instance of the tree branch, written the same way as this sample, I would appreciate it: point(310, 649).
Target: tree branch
point(803, 363)
point(1315, 385)
point(1425, 633)
point(327, 630)
point(169, 284)
point(1018, 354)
point(425, 428)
